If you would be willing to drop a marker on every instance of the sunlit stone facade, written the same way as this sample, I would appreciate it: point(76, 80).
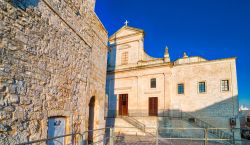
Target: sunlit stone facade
point(189, 86)
point(52, 62)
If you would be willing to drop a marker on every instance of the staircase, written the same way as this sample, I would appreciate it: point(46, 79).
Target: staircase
point(137, 124)
point(190, 119)
point(202, 124)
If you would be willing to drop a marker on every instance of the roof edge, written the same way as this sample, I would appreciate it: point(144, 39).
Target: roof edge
point(208, 61)
point(123, 27)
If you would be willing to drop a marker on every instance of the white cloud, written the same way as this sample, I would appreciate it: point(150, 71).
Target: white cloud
point(242, 108)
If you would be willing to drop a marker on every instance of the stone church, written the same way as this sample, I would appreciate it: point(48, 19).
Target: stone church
point(160, 92)
point(54, 70)
point(49, 50)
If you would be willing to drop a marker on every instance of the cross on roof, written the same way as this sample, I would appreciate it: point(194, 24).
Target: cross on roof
point(126, 23)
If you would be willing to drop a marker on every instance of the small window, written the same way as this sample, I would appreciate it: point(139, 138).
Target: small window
point(202, 87)
point(124, 58)
point(153, 83)
point(180, 88)
point(224, 85)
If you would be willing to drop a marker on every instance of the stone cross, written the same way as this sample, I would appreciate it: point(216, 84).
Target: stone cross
point(126, 23)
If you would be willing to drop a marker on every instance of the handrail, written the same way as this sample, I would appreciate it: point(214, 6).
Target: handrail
point(66, 135)
point(216, 132)
point(111, 137)
point(50, 138)
point(135, 123)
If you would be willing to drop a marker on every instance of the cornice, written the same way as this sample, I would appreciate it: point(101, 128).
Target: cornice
point(208, 61)
point(165, 64)
point(139, 67)
point(126, 36)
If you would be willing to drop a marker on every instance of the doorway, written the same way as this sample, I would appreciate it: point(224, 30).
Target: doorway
point(123, 104)
point(91, 119)
point(56, 127)
point(153, 106)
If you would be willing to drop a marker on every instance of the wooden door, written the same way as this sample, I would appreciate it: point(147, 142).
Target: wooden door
point(123, 104)
point(153, 106)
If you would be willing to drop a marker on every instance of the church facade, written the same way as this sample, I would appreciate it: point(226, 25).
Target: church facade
point(150, 89)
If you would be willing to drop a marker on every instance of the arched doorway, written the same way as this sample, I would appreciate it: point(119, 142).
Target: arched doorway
point(91, 119)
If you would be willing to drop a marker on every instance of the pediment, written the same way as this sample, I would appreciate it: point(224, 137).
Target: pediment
point(125, 31)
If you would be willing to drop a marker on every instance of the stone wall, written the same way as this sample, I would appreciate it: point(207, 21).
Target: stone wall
point(52, 61)
point(214, 106)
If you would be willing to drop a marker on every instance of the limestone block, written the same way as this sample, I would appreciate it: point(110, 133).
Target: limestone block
point(25, 101)
point(9, 109)
point(5, 115)
point(34, 126)
point(37, 108)
point(21, 126)
point(20, 87)
point(3, 88)
point(13, 98)
point(36, 116)
point(4, 128)
point(22, 136)
point(12, 89)
point(18, 115)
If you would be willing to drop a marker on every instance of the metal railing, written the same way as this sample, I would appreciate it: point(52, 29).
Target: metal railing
point(55, 139)
point(157, 136)
point(90, 137)
point(135, 123)
point(220, 133)
point(198, 135)
point(172, 114)
point(136, 113)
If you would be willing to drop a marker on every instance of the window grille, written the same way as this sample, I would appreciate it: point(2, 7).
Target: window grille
point(153, 83)
point(224, 85)
point(180, 88)
point(124, 58)
point(202, 87)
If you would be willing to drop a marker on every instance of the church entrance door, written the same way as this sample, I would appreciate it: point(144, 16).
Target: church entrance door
point(153, 106)
point(123, 104)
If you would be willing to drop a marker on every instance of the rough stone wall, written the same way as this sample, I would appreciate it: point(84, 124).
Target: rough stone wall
point(50, 51)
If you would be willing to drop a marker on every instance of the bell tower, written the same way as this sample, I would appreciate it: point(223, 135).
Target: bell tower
point(126, 46)
point(166, 55)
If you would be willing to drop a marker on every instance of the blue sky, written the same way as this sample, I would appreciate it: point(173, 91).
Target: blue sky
point(209, 28)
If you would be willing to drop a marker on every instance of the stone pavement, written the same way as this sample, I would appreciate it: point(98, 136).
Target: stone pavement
point(150, 140)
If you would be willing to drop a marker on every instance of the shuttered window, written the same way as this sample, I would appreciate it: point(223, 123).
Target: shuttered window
point(224, 85)
point(124, 58)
